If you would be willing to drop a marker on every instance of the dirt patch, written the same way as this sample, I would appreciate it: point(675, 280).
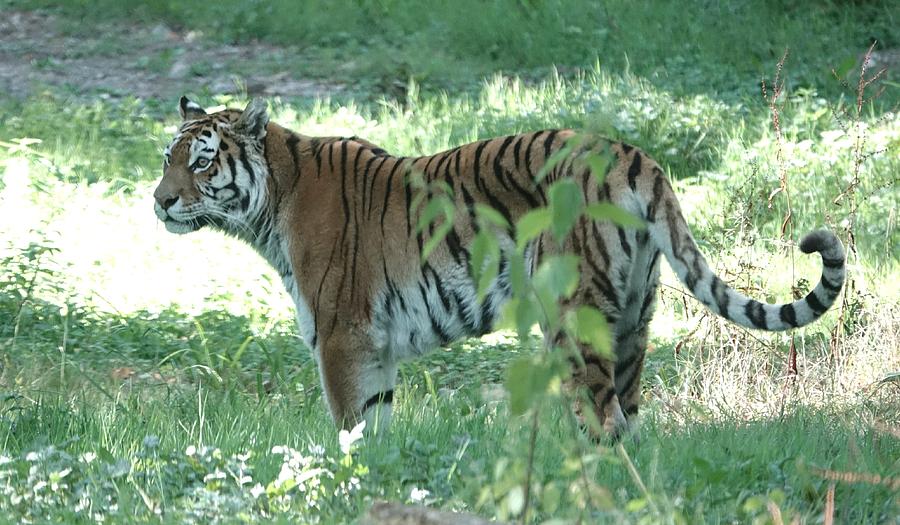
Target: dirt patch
point(116, 60)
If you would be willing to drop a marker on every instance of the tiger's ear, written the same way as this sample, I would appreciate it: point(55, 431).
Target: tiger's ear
point(189, 109)
point(253, 120)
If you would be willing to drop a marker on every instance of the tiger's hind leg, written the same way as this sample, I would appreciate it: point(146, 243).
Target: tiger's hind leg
point(596, 398)
point(630, 350)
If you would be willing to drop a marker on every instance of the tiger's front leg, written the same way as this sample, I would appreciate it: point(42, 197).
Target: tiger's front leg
point(358, 382)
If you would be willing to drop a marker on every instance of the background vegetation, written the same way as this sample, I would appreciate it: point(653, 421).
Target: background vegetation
point(153, 378)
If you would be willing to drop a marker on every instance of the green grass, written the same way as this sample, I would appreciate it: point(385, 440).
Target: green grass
point(121, 341)
point(718, 48)
point(446, 438)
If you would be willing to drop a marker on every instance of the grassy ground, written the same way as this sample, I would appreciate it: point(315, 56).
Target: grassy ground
point(153, 378)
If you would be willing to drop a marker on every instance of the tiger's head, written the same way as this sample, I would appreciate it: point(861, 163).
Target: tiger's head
point(214, 171)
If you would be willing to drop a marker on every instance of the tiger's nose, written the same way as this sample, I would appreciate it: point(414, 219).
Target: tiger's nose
point(165, 200)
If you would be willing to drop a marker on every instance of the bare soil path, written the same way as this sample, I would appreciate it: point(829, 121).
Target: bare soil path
point(111, 60)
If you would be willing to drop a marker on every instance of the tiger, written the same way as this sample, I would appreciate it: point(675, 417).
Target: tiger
point(336, 218)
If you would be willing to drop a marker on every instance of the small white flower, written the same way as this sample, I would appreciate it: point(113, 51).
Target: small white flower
point(4, 460)
point(417, 495)
point(347, 439)
point(257, 491)
point(218, 474)
point(32, 456)
point(88, 457)
point(190, 451)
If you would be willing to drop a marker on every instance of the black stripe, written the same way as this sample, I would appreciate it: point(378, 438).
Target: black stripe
point(375, 178)
point(548, 142)
point(492, 200)
point(632, 367)
point(425, 169)
point(438, 284)
point(600, 244)
point(626, 148)
point(606, 397)
point(593, 358)
point(322, 285)
point(445, 157)
point(470, 206)
point(719, 292)
point(233, 167)
point(623, 240)
point(633, 171)
point(291, 144)
point(386, 397)
point(657, 196)
point(815, 304)
point(365, 178)
point(517, 148)
point(521, 190)
point(498, 169)
point(788, 315)
point(648, 300)
point(832, 263)
point(528, 156)
point(245, 162)
point(345, 203)
point(455, 246)
point(387, 191)
point(755, 311)
point(831, 287)
point(652, 263)
point(407, 188)
point(435, 325)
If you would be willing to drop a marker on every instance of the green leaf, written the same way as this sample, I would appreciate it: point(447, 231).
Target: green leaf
point(440, 232)
point(557, 276)
point(636, 505)
point(604, 211)
point(557, 157)
point(590, 327)
point(518, 274)
point(532, 224)
point(440, 206)
point(525, 381)
point(485, 261)
point(521, 313)
point(566, 203)
point(599, 164)
point(432, 210)
point(491, 216)
point(550, 498)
